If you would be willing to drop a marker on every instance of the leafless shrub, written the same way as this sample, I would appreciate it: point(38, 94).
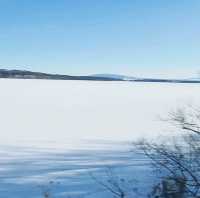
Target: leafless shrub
point(178, 161)
point(119, 187)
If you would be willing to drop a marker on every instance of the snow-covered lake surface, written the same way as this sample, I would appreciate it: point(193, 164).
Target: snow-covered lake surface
point(64, 131)
point(29, 171)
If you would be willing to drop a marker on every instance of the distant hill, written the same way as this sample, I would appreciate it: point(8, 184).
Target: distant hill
point(134, 79)
point(115, 76)
point(22, 74)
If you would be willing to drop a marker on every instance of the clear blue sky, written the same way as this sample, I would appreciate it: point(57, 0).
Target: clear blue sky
point(101, 36)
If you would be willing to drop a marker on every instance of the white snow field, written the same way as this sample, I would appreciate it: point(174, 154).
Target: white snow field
point(63, 131)
point(58, 110)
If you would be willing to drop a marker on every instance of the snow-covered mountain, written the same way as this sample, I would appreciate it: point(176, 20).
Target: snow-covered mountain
point(115, 76)
point(135, 79)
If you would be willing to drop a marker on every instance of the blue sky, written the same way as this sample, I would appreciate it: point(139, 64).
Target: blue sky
point(135, 37)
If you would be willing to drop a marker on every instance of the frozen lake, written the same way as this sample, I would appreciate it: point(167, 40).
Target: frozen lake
point(57, 110)
point(63, 130)
point(29, 171)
